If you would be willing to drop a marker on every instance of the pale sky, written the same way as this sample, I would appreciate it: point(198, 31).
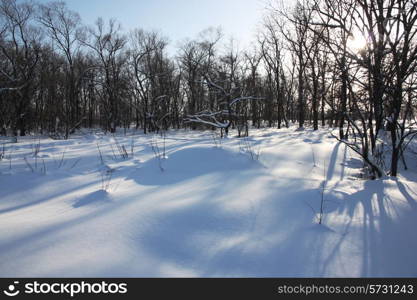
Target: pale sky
point(177, 19)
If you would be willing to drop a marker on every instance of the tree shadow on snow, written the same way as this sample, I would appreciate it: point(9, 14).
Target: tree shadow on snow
point(386, 248)
point(277, 235)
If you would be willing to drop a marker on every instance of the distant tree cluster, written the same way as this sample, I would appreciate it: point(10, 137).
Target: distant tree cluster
point(370, 90)
point(57, 75)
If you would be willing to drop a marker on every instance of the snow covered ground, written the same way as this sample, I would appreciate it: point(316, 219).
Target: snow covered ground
point(212, 211)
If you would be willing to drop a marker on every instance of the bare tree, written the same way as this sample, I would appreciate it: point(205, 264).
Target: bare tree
point(272, 54)
point(107, 44)
point(20, 48)
point(64, 29)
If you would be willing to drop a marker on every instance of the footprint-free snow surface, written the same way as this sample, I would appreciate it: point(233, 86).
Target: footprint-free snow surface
point(203, 209)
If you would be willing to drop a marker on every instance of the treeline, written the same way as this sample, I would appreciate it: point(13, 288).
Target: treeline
point(57, 75)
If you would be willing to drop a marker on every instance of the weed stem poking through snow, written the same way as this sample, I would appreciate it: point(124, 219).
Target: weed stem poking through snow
point(322, 193)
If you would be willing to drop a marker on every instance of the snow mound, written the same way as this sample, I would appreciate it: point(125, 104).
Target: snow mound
point(189, 163)
point(96, 198)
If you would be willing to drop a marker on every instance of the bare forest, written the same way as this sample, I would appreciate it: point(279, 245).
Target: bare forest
point(308, 66)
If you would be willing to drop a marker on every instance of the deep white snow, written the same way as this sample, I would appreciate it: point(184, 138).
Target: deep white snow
point(202, 211)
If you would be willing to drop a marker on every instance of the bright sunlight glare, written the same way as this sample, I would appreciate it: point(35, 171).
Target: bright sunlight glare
point(357, 42)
